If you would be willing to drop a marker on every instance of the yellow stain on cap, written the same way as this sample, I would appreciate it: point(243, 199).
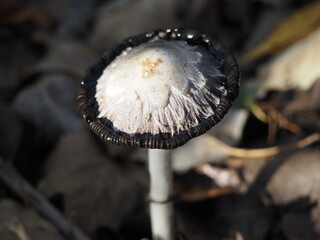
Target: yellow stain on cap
point(149, 67)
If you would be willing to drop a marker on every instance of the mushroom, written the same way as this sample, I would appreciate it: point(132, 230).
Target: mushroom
point(158, 90)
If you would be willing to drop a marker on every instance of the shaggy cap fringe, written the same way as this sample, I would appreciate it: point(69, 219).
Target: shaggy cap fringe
point(217, 95)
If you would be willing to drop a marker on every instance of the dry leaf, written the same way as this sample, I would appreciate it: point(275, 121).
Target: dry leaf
point(297, 26)
point(295, 68)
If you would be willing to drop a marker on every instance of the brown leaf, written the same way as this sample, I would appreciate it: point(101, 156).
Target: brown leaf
point(297, 26)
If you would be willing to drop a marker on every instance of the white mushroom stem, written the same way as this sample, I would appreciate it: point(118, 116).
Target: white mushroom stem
point(161, 206)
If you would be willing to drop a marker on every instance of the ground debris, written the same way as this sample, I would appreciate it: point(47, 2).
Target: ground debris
point(22, 223)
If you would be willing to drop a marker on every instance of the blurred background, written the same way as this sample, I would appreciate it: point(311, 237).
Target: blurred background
point(224, 189)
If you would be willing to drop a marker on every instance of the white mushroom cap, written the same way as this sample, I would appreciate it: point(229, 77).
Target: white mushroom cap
point(159, 90)
point(159, 87)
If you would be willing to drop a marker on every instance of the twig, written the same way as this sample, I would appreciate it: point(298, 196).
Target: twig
point(272, 129)
point(198, 194)
point(259, 113)
point(264, 152)
point(284, 122)
point(276, 118)
point(10, 179)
